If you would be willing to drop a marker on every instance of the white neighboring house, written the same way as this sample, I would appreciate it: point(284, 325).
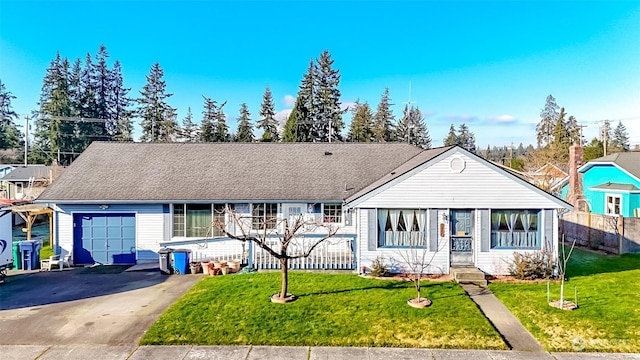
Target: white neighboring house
point(122, 202)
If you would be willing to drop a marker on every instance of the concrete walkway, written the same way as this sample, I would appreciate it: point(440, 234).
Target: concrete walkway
point(80, 352)
point(515, 335)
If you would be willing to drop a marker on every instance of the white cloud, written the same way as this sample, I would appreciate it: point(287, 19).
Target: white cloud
point(282, 117)
point(347, 105)
point(503, 119)
point(459, 118)
point(289, 100)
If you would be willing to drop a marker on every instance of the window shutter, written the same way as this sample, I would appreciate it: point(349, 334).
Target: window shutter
point(372, 229)
point(168, 221)
point(548, 229)
point(485, 229)
point(432, 215)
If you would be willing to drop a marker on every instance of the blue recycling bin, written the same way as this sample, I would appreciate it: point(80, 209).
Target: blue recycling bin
point(181, 261)
point(30, 254)
point(17, 259)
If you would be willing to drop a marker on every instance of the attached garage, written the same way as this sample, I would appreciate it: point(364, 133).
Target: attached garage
point(104, 238)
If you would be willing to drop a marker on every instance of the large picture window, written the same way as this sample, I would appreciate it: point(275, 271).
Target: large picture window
point(515, 229)
point(401, 227)
point(196, 220)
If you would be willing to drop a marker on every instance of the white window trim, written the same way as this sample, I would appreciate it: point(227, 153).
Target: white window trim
point(342, 214)
point(183, 236)
point(606, 204)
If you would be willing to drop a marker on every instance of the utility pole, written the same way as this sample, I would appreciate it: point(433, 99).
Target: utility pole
point(26, 139)
point(511, 156)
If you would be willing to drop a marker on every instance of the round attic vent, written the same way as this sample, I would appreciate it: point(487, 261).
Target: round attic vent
point(457, 164)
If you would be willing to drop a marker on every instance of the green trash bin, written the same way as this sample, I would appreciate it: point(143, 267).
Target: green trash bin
point(17, 260)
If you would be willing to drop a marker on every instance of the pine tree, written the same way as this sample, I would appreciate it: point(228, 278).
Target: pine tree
point(298, 127)
point(560, 143)
point(573, 131)
point(383, 119)
point(620, 140)
point(153, 108)
point(245, 128)
point(452, 138)
point(119, 126)
point(209, 119)
point(326, 113)
point(412, 128)
point(268, 123)
point(466, 139)
point(548, 118)
point(189, 132)
point(360, 129)
point(53, 135)
point(10, 136)
point(221, 130)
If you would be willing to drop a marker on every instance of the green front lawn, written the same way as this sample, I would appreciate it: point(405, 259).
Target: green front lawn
point(332, 310)
point(608, 317)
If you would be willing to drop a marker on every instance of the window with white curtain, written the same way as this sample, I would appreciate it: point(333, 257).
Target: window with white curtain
point(401, 227)
point(612, 204)
point(515, 229)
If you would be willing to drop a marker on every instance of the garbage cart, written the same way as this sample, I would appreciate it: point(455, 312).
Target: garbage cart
point(181, 261)
point(166, 267)
point(30, 254)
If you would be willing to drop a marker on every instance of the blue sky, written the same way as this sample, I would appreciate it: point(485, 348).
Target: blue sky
point(488, 64)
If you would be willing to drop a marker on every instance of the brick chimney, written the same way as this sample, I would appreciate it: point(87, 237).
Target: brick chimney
point(575, 196)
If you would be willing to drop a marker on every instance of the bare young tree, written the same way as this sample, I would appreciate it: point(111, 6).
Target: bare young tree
point(292, 243)
point(417, 259)
point(562, 271)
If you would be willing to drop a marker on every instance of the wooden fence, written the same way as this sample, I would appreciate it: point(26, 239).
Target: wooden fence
point(613, 234)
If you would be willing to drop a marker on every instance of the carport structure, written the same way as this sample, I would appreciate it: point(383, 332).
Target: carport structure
point(29, 213)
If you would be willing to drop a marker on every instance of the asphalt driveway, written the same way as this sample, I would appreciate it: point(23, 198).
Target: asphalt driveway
point(75, 307)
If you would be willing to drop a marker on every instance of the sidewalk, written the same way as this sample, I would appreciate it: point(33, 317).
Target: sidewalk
point(79, 352)
point(516, 336)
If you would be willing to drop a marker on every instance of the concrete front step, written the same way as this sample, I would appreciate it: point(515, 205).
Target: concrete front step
point(468, 275)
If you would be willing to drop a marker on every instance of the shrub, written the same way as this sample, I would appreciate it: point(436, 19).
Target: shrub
point(379, 267)
point(532, 265)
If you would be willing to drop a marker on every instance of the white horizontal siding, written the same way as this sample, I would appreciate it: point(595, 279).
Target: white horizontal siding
point(477, 186)
point(64, 233)
point(212, 249)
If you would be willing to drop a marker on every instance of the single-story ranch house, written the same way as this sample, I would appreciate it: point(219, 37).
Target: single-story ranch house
point(119, 203)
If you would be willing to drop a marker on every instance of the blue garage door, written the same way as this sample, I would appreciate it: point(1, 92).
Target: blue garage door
point(104, 239)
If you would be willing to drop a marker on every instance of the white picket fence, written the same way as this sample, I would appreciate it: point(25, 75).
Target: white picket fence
point(330, 255)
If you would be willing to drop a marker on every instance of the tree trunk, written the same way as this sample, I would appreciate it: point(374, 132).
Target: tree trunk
point(284, 262)
point(562, 292)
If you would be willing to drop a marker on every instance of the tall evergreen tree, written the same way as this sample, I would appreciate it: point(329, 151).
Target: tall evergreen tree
point(361, 122)
point(53, 135)
point(452, 138)
point(298, 127)
point(573, 131)
point(189, 132)
point(10, 136)
point(466, 139)
point(119, 125)
point(383, 119)
point(593, 150)
point(152, 106)
point(326, 112)
point(548, 118)
point(412, 128)
point(209, 120)
point(560, 143)
point(268, 123)
point(245, 128)
point(620, 139)
point(221, 131)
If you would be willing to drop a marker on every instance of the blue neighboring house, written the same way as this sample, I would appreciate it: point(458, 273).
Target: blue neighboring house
point(611, 184)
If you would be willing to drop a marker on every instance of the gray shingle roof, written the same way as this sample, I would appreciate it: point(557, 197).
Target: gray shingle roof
point(224, 171)
point(22, 173)
point(630, 161)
